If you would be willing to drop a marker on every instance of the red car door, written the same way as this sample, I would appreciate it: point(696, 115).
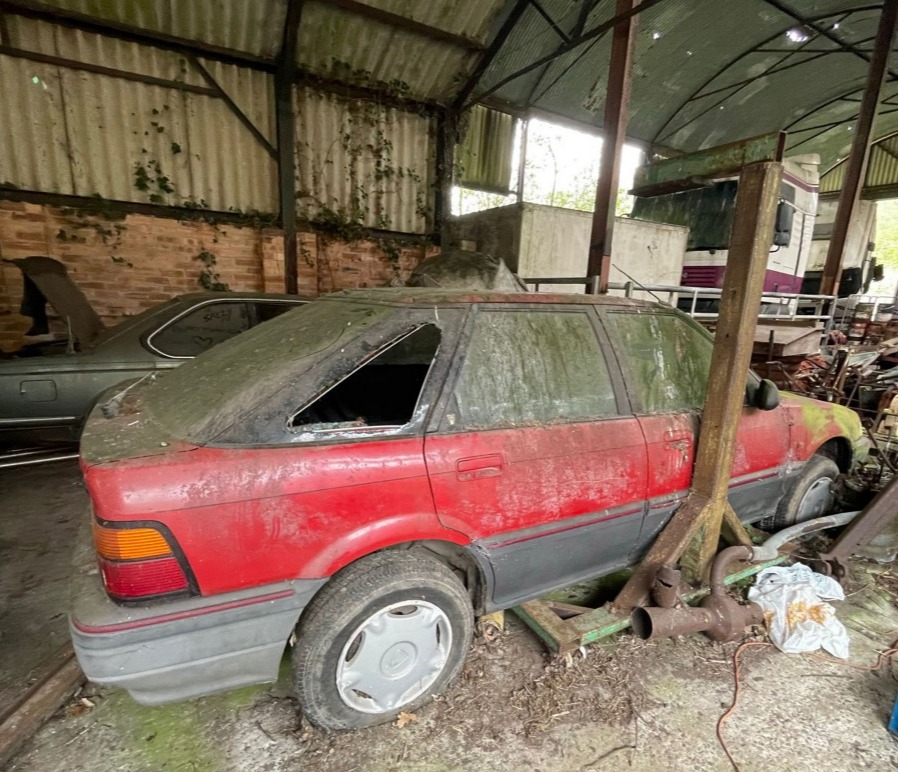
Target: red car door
point(533, 460)
point(666, 359)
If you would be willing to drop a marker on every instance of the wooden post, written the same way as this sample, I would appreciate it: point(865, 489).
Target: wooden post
point(697, 523)
point(617, 100)
point(856, 167)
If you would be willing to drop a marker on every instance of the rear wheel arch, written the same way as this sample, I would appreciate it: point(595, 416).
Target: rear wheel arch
point(459, 558)
point(463, 562)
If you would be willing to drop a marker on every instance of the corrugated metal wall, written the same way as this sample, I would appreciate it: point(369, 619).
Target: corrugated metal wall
point(70, 131)
point(882, 170)
point(363, 162)
point(255, 26)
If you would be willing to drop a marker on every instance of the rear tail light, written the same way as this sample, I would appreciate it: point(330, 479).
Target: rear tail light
point(138, 563)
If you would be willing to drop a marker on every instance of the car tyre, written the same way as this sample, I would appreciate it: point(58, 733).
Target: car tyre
point(810, 495)
point(384, 635)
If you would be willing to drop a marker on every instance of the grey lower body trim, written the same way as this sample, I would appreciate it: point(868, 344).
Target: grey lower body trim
point(752, 499)
point(529, 563)
point(220, 643)
point(523, 565)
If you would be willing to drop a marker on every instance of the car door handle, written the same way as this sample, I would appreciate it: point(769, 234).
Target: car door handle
point(479, 466)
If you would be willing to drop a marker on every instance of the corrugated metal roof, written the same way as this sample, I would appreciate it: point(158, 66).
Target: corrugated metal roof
point(55, 40)
point(484, 157)
point(330, 44)
point(460, 17)
point(363, 162)
point(705, 71)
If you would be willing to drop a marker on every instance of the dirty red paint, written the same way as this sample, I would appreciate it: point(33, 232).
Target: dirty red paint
point(257, 516)
point(254, 516)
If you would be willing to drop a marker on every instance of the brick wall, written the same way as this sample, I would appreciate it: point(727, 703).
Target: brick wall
point(129, 264)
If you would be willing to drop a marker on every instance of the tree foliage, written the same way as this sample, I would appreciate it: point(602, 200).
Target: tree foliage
point(561, 169)
point(887, 233)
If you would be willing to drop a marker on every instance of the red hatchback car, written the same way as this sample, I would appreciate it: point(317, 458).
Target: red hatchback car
point(361, 476)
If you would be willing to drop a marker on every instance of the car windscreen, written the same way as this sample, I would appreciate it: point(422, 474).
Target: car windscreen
point(203, 397)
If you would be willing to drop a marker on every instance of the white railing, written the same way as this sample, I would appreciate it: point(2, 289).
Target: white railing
point(780, 306)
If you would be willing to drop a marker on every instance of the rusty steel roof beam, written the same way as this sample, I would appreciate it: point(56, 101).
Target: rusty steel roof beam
point(486, 59)
point(43, 12)
point(550, 21)
point(537, 91)
point(811, 24)
point(574, 44)
point(617, 107)
point(404, 23)
point(856, 168)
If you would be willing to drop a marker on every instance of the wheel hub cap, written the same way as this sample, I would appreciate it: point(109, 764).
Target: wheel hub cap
point(817, 500)
point(394, 656)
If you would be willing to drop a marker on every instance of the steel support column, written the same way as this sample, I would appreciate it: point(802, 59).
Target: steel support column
point(856, 169)
point(284, 77)
point(447, 136)
point(695, 527)
point(617, 100)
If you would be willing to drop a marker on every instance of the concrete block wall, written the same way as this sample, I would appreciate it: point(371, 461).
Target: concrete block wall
point(126, 264)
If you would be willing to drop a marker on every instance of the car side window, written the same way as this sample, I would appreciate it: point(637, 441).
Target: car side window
point(666, 361)
point(269, 310)
point(201, 329)
point(532, 366)
point(381, 393)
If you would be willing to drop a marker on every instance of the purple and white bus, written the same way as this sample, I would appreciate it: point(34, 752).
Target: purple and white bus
point(708, 213)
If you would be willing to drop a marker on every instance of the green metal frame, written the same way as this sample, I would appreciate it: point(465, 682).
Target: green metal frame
point(565, 627)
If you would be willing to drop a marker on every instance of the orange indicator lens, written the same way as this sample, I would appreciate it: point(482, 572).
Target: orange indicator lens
point(130, 543)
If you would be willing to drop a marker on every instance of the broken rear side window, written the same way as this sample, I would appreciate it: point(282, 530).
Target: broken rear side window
point(381, 393)
point(532, 366)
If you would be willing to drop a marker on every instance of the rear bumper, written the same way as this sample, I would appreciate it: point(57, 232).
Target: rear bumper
point(187, 648)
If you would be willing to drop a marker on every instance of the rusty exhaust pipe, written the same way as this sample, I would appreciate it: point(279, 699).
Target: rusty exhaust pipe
point(666, 589)
point(719, 617)
point(649, 622)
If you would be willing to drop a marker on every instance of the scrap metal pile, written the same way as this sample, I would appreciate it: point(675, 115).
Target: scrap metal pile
point(857, 366)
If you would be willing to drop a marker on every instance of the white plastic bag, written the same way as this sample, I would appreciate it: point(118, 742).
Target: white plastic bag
point(797, 617)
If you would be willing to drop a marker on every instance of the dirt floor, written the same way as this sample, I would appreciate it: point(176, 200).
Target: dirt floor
point(624, 704)
point(35, 502)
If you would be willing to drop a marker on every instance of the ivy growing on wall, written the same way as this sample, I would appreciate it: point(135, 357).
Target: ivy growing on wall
point(363, 151)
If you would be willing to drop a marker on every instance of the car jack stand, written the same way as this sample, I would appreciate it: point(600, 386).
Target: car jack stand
point(565, 627)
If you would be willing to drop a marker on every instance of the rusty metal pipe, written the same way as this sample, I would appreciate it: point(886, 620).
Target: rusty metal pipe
point(722, 562)
point(649, 622)
point(770, 548)
point(666, 588)
point(720, 617)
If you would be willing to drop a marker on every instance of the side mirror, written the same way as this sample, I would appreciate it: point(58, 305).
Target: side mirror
point(767, 396)
point(782, 230)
